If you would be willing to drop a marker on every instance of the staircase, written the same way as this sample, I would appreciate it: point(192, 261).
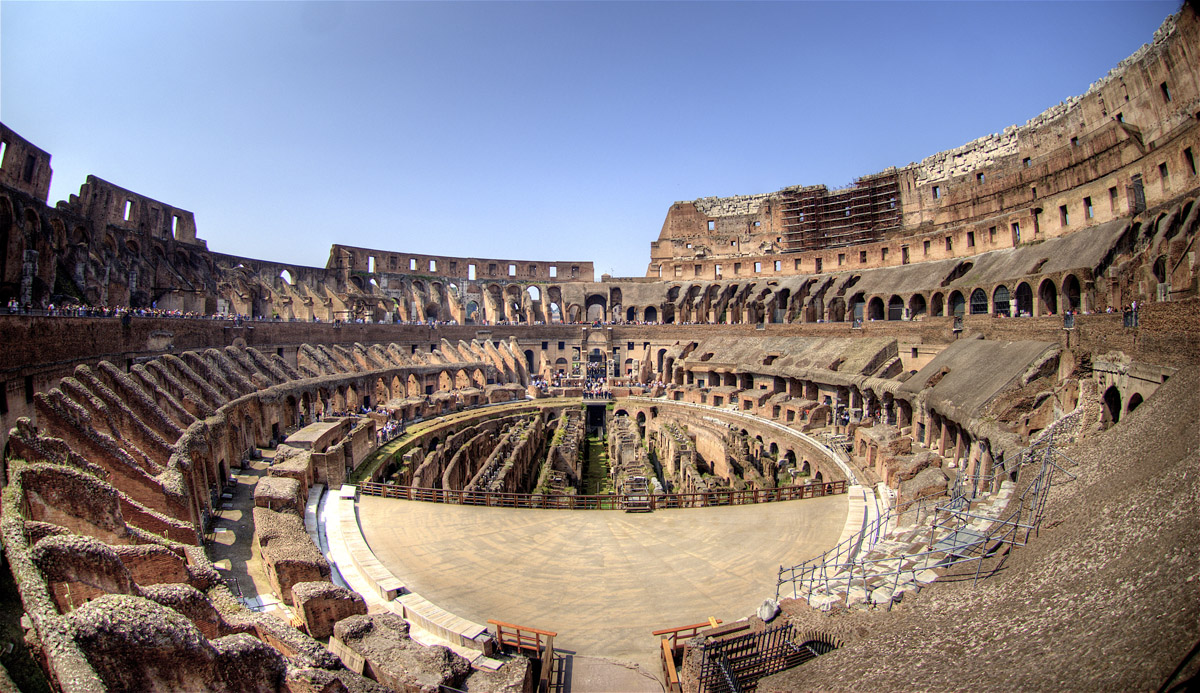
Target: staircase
point(908, 547)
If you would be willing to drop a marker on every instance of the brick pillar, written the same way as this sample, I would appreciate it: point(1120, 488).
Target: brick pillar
point(973, 465)
point(985, 469)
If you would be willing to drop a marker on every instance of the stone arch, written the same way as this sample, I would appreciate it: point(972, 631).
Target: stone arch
point(1047, 298)
point(595, 307)
point(979, 302)
point(837, 309)
point(651, 314)
point(875, 308)
point(1072, 296)
point(1135, 401)
point(529, 361)
point(916, 306)
point(1001, 305)
point(1160, 269)
point(445, 382)
point(397, 388)
point(462, 380)
point(631, 314)
point(414, 386)
point(1024, 299)
point(956, 303)
point(1111, 410)
point(895, 308)
point(937, 305)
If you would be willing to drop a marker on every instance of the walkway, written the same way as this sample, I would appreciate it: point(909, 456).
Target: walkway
point(230, 546)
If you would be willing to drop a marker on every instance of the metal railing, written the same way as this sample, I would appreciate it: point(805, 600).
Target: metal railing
point(950, 539)
point(699, 499)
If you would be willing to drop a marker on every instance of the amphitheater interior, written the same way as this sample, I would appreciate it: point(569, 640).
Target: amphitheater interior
point(986, 360)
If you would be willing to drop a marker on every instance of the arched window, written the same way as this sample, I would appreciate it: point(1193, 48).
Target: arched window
point(979, 302)
point(1024, 300)
point(1000, 300)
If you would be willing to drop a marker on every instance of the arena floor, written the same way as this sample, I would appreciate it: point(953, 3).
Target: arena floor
point(604, 580)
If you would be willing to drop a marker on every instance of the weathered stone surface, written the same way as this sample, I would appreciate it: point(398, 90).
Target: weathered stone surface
point(322, 604)
point(395, 660)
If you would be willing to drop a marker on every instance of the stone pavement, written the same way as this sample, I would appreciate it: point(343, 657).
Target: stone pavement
point(604, 580)
point(230, 546)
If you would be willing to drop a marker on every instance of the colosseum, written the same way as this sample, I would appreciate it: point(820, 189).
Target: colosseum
point(936, 430)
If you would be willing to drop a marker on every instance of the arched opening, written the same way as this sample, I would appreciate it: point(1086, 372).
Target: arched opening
point(979, 302)
point(857, 305)
point(594, 308)
point(1112, 406)
point(1000, 302)
point(875, 309)
point(1134, 402)
point(472, 313)
point(1071, 293)
point(957, 304)
point(631, 314)
point(837, 310)
point(936, 305)
point(916, 306)
point(651, 314)
point(1024, 296)
point(529, 360)
point(1160, 269)
point(1047, 298)
point(895, 308)
point(535, 294)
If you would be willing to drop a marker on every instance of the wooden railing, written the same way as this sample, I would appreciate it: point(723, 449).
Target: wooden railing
point(702, 499)
point(540, 643)
point(670, 649)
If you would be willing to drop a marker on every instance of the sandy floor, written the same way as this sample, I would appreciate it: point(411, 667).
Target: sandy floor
point(604, 580)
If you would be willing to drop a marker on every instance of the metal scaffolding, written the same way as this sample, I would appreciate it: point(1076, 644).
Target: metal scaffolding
point(815, 218)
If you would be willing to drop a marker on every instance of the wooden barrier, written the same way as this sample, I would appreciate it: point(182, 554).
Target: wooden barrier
point(539, 642)
point(702, 499)
point(671, 649)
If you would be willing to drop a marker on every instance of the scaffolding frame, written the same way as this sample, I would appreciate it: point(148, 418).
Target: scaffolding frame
point(815, 218)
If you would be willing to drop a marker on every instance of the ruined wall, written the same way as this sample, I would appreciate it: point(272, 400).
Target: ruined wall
point(1088, 160)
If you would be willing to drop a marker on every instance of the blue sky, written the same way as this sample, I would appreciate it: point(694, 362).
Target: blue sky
point(540, 131)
